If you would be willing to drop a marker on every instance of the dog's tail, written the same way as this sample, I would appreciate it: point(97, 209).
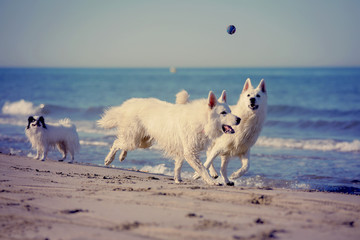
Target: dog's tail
point(182, 97)
point(109, 118)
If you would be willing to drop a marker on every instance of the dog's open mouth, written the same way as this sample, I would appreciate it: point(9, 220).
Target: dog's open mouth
point(253, 106)
point(227, 129)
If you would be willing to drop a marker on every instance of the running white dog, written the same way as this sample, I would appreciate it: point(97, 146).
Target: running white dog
point(43, 137)
point(180, 130)
point(251, 107)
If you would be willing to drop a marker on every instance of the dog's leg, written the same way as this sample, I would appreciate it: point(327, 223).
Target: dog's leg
point(244, 168)
point(72, 153)
point(111, 155)
point(62, 149)
point(123, 155)
point(213, 172)
point(211, 154)
point(196, 164)
point(223, 170)
point(38, 153)
point(45, 153)
point(177, 169)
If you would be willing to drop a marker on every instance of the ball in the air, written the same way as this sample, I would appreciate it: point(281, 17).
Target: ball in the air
point(231, 29)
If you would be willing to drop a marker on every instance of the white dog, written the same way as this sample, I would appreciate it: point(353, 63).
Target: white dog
point(180, 130)
point(43, 137)
point(251, 107)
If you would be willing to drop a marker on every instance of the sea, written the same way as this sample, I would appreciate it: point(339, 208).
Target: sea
point(310, 139)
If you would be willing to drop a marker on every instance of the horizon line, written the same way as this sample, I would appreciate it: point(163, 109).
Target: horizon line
point(167, 67)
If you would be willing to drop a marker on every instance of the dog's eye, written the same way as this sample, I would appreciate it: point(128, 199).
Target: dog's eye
point(223, 113)
point(248, 95)
point(258, 95)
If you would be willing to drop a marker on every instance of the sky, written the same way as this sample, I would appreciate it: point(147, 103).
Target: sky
point(135, 33)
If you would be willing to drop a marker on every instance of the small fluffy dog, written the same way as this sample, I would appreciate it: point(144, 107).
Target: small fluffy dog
point(252, 108)
point(43, 137)
point(180, 130)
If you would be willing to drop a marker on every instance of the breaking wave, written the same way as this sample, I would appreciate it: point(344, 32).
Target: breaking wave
point(315, 144)
point(26, 108)
point(21, 107)
point(334, 125)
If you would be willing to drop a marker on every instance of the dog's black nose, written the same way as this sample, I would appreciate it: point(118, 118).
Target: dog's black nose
point(238, 120)
point(252, 100)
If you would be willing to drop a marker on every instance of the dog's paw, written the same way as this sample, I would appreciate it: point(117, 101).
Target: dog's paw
point(178, 181)
point(230, 184)
point(107, 160)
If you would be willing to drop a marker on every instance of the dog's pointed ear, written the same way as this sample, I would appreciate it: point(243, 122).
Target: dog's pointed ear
point(222, 98)
point(212, 100)
point(42, 120)
point(247, 85)
point(262, 86)
point(30, 120)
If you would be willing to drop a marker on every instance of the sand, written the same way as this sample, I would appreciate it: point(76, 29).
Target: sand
point(56, 200)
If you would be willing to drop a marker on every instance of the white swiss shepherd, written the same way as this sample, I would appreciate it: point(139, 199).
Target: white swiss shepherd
point(44, 137)
point(252, 108)
point(181, 131)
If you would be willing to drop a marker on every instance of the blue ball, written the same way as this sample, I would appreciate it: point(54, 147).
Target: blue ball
point(231, 29)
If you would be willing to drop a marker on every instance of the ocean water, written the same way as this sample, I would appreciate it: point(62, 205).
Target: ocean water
point(310, 140)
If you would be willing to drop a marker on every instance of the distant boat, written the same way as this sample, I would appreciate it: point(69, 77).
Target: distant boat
point(172, 69)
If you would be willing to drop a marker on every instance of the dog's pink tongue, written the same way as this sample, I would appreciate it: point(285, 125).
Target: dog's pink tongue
point(228, 129)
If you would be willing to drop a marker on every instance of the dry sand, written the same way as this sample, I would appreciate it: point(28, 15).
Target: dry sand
point(56, 200)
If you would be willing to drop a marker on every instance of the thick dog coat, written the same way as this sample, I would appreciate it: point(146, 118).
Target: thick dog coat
point(181, 131)
point(44, 137)
point(251, 107)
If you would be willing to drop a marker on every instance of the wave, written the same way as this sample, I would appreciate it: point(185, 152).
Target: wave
point(93, 143)
point(26, 108)
point(263, 182)
point(314, 144)
point(286, 110)
point(21, 107)
point(13, 139)
point(328, 125)
point(162, 169)
point(258, 181)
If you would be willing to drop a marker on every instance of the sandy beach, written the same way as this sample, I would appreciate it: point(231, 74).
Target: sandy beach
point(56, 200)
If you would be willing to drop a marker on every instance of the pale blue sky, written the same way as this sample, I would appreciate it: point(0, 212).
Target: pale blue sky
point(270, 33)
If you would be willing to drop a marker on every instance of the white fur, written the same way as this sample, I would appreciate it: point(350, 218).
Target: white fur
point(62, 135)
point(181, 131)
point(246, 133)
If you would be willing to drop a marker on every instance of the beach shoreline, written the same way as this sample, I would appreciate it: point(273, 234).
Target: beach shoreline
point(56, 200)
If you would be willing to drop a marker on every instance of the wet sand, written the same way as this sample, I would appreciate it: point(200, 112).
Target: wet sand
point(56, 200)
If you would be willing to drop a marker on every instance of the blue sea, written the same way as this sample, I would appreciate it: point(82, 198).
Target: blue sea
point(310, 140)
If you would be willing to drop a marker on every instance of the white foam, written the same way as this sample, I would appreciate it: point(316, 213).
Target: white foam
point(21, 107)
point(93, 143)
point(162, 169)
point(314, 144)
point(263, 182)
point(159, 169)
